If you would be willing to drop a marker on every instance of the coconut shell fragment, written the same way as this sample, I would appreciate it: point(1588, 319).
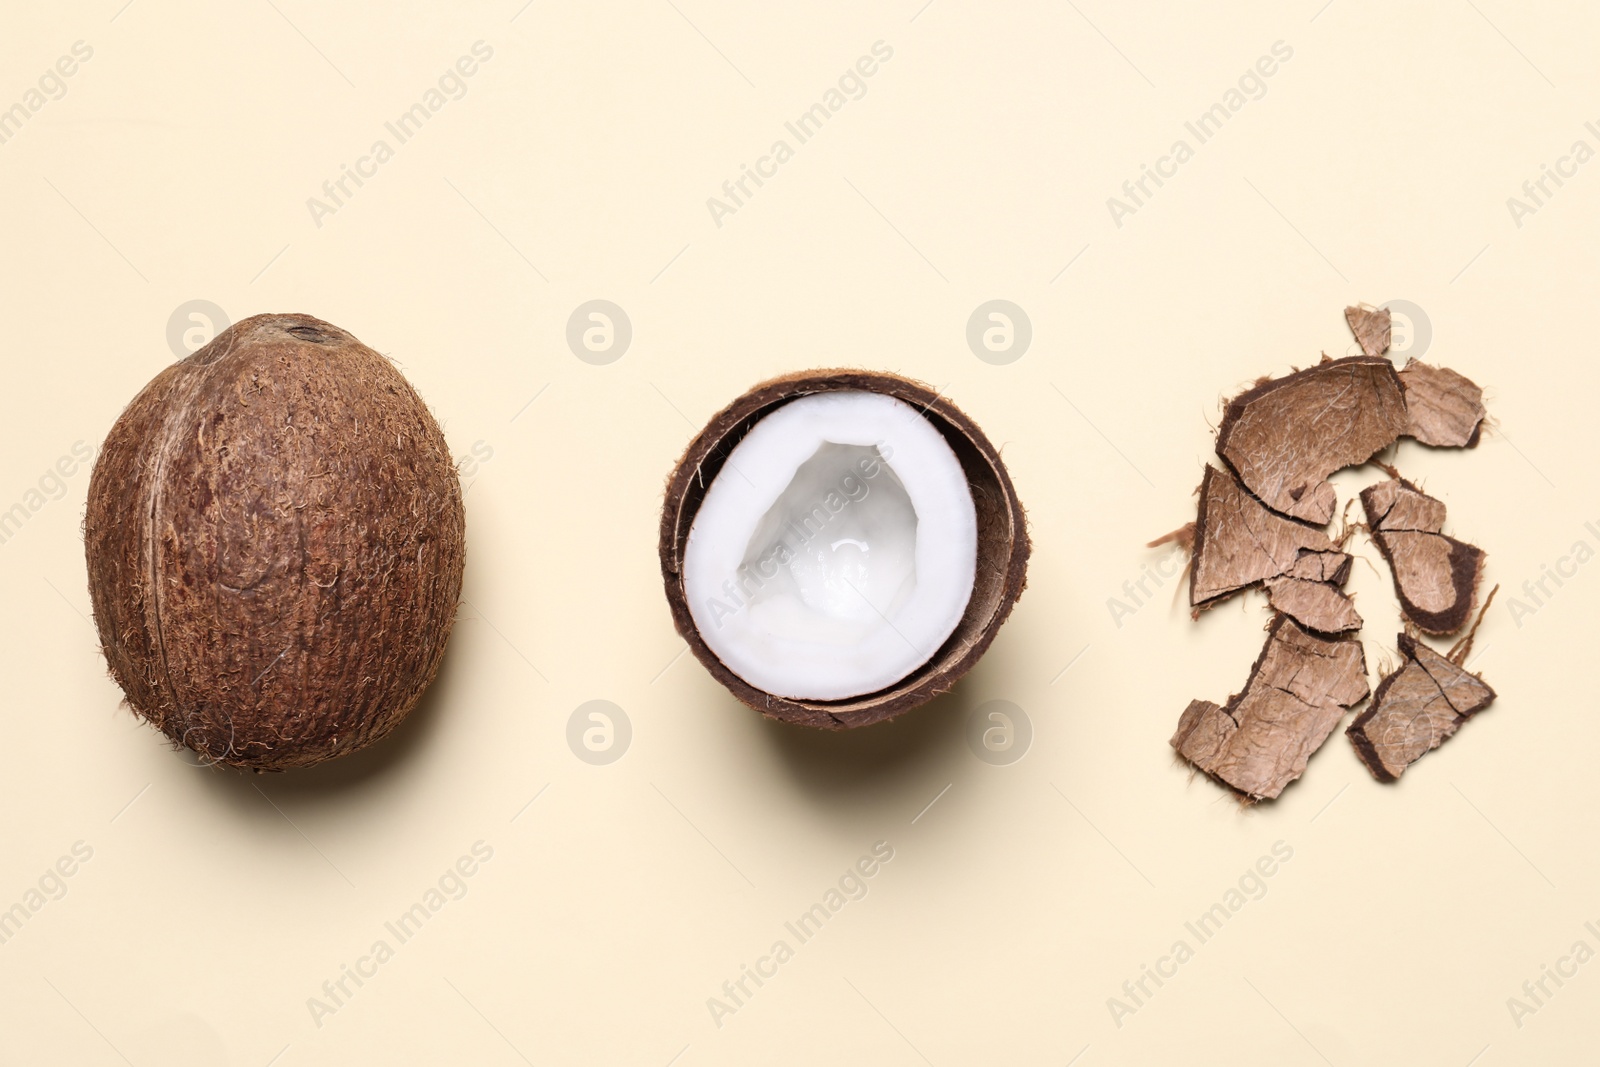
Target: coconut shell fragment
point(1298, 690)
point(1003, 546)
point(1322, 567)
point(1284, 437)
point(1443, 408)
point(1435, 576)
point(1371, 327)
point(1415, 710)
point(1239, 543)
point(275, 542)
point(1315, 605)
point(1263, 521)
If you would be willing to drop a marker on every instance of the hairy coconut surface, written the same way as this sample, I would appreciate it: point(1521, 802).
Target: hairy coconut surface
point(1371, 327)
point(1297, 692)
point(275, 541)
point(1262, 520)
point(1435, 576)
point(1444, 409)
point(1239, 542)
point(1317, 606)
point(1285, 436)
point(1417, 707)
point(1003, 545)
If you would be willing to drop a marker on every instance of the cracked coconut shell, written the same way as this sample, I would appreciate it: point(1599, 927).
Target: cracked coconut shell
point(1417, 708)
point(275, 542)
point(1238, 543)
point(1285, 436)
point(1444, 409)
point(1372, 327)
point(1435, 576)
point(1002, 560)
point(1298, 690)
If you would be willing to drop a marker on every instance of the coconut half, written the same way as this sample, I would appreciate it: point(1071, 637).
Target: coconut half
point(841, 546)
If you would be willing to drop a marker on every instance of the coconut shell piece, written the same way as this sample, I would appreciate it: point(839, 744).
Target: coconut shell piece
point(275, 542)
point(1371, 327)
point(1296, 694)
point(1443, 408)
point(1284, 437)
point(1238, 543)
point(1416, 708)
point(1323, 567)
point(1003, 545)
point(1315, 605)
point(1436, 577)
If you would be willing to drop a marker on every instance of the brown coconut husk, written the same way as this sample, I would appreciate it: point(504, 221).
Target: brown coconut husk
point(1372, 327)
point(1261, 521)
point(1003, 545)
point(1444, 409)
point(1435, 576)
point(1238, 543)
point(275, 541)
point(1285, 436)
point(1298, 690)
point(1417, 707)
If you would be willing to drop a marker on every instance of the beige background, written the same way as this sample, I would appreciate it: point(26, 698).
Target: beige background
point(1376, 167)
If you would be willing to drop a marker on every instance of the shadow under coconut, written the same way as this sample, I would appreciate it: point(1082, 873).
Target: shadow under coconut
point(343, 774)
point(872, 765)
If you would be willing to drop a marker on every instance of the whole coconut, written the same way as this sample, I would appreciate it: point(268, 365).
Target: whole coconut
point(275, 541)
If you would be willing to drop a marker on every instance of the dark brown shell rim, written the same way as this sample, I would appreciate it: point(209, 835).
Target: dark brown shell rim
point(1003, 544)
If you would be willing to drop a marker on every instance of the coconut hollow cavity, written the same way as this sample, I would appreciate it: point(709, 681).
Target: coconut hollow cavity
point(275, 542)
point(841, 546)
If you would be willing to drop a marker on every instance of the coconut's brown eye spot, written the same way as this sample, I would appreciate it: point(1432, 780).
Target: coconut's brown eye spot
point(267, 598)
point(310, 333)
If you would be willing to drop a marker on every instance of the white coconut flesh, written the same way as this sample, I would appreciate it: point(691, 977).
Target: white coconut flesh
point(835, 550)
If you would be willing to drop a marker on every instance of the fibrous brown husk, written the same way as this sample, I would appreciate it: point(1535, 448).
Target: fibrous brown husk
point(1323, 567)
point(1435, 576)
point(1444, 409)
point(1297, 692)
point(1284, 437)
point(1003, 545)
point(1238, 543)
point(1416, 708)
point(1281, 440)
point(275, 542)
point(1316, 605)
point(1371, 327)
